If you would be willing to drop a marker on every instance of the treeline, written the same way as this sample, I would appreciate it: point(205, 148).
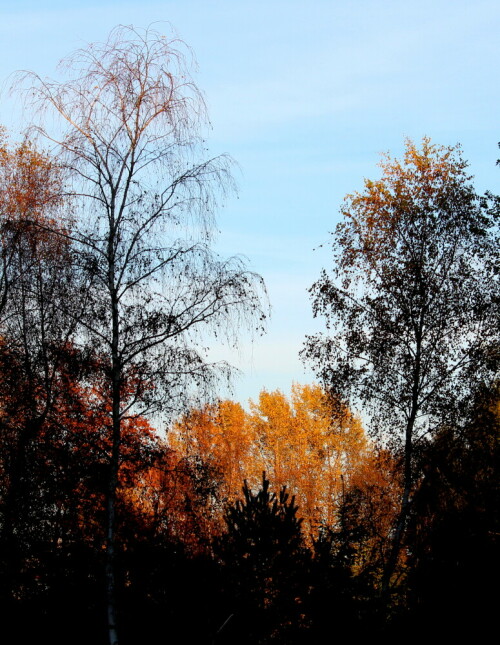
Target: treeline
point(196, 557)
point(288, 523)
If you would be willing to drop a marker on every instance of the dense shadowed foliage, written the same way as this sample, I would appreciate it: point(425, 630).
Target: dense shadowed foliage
point(454, 541)
point(266, 564)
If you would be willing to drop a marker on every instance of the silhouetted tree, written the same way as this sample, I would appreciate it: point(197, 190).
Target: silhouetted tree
point(132, 136)
point(412, 305)
point(267, 567)
point(38, 360)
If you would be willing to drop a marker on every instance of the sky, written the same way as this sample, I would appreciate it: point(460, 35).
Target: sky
point(305, 96)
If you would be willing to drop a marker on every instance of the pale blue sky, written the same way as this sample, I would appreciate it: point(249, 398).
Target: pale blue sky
point(304, 95)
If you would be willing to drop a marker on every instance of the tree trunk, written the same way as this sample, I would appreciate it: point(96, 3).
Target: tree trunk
point(116, 374)
point(111, 509)
point(407, 471)
point(403, 513)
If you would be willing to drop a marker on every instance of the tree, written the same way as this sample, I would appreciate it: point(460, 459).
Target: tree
point(412, 303)
point(35, 334)
point(30, 194)
point(219, 437)
point(132, 121)
point(268, 565)
point(307, 442)
point(310, 443)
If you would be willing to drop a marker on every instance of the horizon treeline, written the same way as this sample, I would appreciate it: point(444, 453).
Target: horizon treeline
point(292, 522)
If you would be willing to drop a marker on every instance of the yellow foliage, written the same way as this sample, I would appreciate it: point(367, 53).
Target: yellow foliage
point(309, 442)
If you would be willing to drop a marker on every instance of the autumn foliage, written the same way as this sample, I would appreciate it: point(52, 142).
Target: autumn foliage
point(307, 442)
point(281, 522)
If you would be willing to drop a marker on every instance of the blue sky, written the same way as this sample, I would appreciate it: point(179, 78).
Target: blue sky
point(304, 96)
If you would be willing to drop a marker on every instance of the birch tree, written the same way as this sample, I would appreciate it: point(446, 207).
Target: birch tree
point(129, 124)
point(411, 305)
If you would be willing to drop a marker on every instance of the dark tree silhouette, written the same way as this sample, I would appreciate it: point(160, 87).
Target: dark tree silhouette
point(267, 565)
point(132, 138)
point(412, 305)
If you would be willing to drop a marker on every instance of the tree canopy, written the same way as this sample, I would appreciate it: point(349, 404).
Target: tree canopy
point(412, 301)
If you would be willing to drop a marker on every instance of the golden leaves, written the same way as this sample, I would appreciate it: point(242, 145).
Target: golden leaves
point(307, 442)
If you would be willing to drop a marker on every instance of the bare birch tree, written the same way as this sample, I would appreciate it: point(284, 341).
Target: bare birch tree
point(129, 125)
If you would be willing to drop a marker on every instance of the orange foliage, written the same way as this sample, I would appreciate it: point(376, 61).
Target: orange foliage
point(370, 509)
point(171, 497)
point(30, 182)
point(307, 442)
point(423, 179)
